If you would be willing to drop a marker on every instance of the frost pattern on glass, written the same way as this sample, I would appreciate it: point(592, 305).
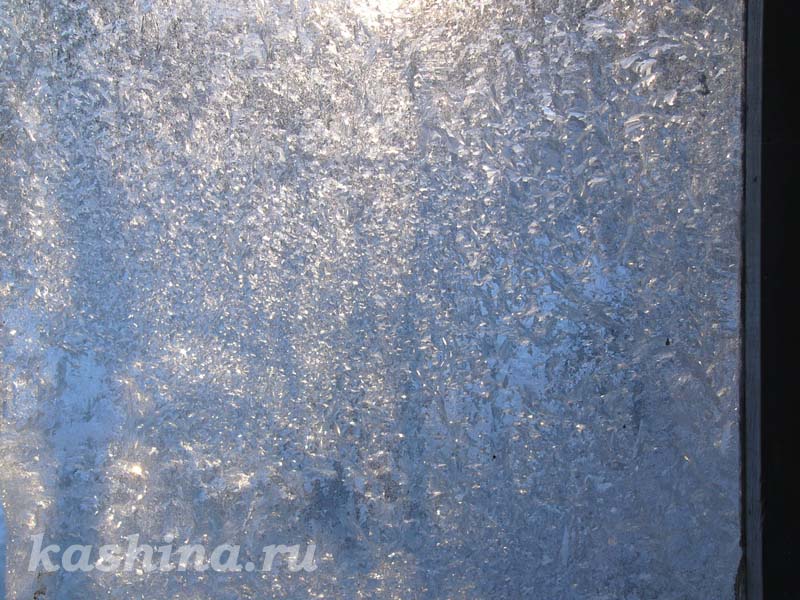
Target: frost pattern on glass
point(448, 287)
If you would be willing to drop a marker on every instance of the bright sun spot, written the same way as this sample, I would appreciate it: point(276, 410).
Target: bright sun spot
point(135, 470)
point(388, 6)
point(374, 10)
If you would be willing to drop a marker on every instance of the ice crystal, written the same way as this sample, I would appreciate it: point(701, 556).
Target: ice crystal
point(448, 287)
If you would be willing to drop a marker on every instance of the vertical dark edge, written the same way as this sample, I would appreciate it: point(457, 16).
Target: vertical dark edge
point(751, 390)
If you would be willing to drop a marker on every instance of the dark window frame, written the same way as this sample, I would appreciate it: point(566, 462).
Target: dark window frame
point(750, 580)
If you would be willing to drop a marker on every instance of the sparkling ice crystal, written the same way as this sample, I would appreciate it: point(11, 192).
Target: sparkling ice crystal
point(449, 288)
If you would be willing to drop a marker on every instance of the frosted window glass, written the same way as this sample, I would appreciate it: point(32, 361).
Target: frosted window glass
point(446, 290)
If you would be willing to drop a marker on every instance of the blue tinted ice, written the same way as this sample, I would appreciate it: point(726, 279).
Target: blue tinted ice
point(448, 288)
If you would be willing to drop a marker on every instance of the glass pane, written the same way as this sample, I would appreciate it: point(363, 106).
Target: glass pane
point(444, 293)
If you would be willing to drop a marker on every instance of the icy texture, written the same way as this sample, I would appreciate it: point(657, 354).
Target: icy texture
point(448, 287)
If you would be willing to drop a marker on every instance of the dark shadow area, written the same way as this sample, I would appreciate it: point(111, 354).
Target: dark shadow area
point(781, 138)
